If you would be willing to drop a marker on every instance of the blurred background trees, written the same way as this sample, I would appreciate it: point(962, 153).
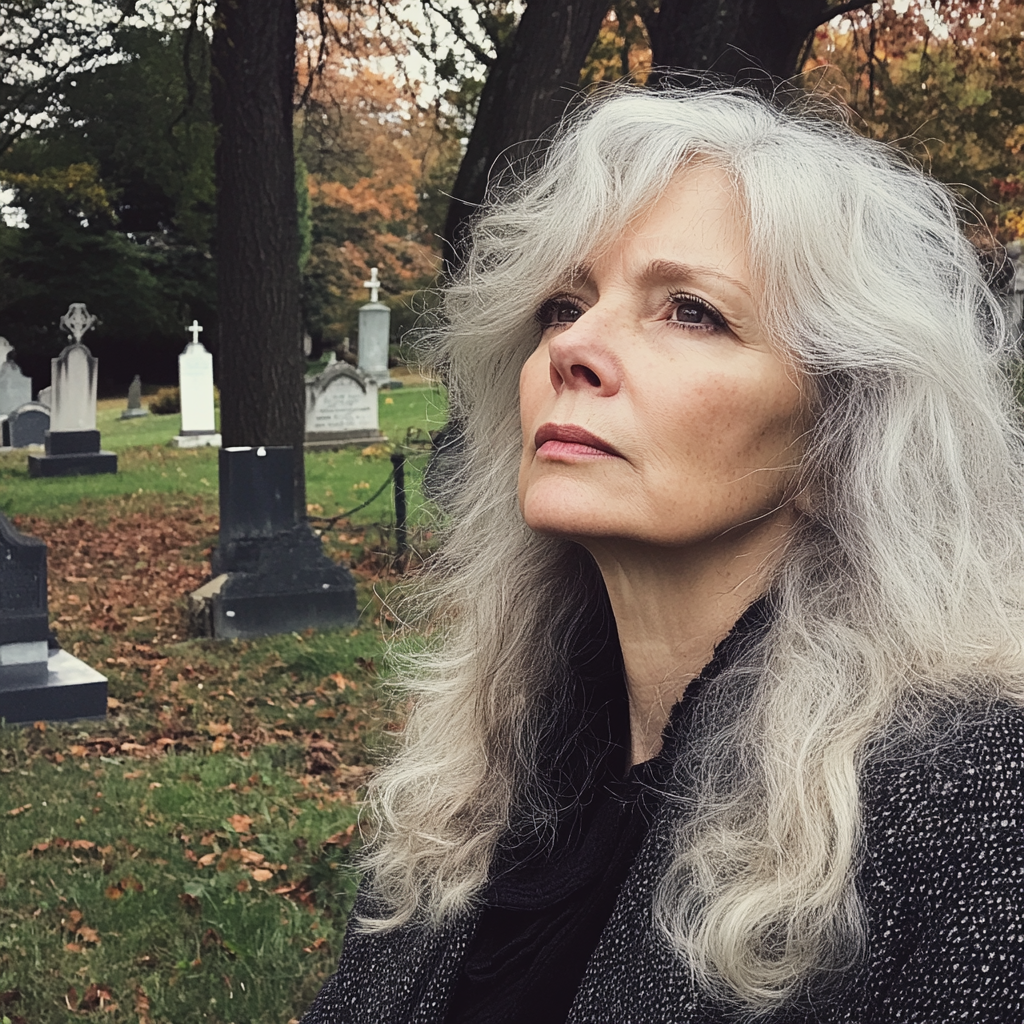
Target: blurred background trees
point(107, 138)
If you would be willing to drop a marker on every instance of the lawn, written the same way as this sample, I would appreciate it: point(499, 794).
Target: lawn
point(189, 858)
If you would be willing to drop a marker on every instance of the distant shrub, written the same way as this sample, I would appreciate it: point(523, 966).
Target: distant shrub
point(166, 401)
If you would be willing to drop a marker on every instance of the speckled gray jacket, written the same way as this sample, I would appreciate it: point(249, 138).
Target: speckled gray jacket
point(942, 882)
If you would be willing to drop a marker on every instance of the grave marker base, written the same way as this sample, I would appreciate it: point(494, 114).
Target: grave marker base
point(85, 464)
point(189, 440)
point(71, 690)
point(287, 584)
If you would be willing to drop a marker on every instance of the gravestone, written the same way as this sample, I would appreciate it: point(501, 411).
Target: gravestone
point(341, 408)
point(44, 396)
point(375, 336)
point(73, 442)
point(270, 571)
point(38, 680)
point(15, 387)
point(134, 409)
point(6, 350)
point(195, 382)
point(27, 425)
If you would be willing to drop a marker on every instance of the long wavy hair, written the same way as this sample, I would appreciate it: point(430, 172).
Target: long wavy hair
point(900, 590)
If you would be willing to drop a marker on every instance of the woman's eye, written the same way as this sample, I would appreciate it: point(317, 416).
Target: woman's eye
point(694, 312)
point(558, 311)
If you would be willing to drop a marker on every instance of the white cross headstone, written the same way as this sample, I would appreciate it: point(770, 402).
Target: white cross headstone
point(374, 334)
point(77, 320)
point(373, 285)
point(73, 376)
point(195, 383)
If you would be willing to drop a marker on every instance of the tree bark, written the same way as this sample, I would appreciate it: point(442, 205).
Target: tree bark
point(259, 350)
point(749, 42)
point(532, 80)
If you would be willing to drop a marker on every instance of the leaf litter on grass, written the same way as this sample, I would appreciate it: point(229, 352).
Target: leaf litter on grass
point(202, 833)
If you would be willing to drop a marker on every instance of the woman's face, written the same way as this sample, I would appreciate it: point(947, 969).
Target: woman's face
point(654, 409)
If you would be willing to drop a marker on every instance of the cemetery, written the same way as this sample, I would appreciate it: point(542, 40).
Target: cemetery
point(210, 782)
point(200, 566)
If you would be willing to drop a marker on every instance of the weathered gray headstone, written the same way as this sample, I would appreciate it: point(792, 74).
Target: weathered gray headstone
point(73, 442)
point(38, 680)
point(15, 387)
point(375, 336)
point(134, 409)
point(195, 382)
point(341, 408)
point(27, 425)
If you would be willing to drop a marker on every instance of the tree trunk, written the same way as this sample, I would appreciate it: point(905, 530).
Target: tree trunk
point(528, 87)
point(259, 349)
point(749, 42)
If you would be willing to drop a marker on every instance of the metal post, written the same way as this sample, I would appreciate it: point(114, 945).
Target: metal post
point(398, 462)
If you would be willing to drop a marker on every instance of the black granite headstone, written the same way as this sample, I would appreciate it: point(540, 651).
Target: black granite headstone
point(270, 571)
point(28, 424)
point(38, 680)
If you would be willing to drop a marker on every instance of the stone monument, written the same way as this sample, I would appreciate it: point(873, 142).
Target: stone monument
point(341, 408)
point(38, 680)
point(375, 336)
point(134, 409)
point(73, 442)
point(195, 382)
point(27, 425)
point(15, 387)
point(270, 571)
point(44, 396)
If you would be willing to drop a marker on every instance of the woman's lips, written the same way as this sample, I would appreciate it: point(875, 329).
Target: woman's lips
point(567, 441)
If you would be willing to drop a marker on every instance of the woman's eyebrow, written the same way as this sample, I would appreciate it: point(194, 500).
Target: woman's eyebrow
point(661, 270)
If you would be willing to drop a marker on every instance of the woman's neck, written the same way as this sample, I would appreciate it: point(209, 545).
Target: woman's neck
point(672, 607)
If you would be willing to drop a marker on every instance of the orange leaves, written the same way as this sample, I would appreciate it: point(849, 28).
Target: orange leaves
point(118, 889)
point(14, 812)
point(76, 926)
point(341, 839)
point(240, 822)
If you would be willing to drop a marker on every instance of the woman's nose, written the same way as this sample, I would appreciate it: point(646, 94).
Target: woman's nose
point(582, 358)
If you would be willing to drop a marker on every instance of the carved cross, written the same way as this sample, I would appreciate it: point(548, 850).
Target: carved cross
point(195, 329)
point(77, 320)
point(373, 284)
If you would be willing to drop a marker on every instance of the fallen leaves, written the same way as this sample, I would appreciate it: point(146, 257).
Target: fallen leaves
point(19, 810)
point(118, 889)
point(95, 997)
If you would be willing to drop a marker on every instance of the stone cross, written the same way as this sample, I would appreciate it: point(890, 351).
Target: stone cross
point(77, 320)
point(373, 285)
point(195, 329)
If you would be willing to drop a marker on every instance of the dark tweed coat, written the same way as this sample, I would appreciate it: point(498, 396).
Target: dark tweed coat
point(942, 881)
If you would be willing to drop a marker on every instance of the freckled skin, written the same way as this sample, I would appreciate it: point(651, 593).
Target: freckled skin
point(658, 351)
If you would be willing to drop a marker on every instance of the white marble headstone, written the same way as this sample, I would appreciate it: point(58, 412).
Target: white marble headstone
point(73, 394)
point(6, 350)
point(195, 378)
point(341, 404)
point(15, 387)
point(374, 334)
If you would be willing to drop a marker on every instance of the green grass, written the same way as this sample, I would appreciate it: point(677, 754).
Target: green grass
point(102, 886)
point(147, 465)
point(103, 825)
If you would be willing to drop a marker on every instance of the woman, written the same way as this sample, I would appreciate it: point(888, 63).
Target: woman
point(719, 714)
